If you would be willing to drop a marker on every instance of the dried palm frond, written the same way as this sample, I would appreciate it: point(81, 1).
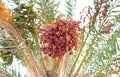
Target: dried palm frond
point(4, 14)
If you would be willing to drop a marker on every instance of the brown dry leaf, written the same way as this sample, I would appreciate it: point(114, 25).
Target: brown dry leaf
point(4, 14)
point(57, 61)
point(117, 72)
point(60, 16)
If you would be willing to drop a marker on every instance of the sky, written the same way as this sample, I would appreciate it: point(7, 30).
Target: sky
point(80, 4)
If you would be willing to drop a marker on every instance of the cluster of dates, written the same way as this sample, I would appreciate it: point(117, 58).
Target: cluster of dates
point(106, 29)
point(59, 37)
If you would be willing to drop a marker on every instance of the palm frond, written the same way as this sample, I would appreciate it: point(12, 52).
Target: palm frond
point(47, 10)
point(70, 6)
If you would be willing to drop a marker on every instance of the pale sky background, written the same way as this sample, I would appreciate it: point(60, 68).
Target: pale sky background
point(79, 6)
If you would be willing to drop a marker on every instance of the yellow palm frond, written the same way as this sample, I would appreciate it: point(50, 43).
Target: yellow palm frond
point(4, 15)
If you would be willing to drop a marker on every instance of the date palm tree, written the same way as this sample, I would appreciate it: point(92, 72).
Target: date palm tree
point(50, 44)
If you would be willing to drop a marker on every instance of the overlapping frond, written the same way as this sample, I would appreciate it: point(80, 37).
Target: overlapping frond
point(70, 7)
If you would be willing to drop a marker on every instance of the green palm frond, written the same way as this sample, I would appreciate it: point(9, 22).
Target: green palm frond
point(47, 10)
point(4, 73)
point(25, 22)
point(118, 18)
point(97, 52)
point(70, 6)
point(9, 48)
point(10, 71)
